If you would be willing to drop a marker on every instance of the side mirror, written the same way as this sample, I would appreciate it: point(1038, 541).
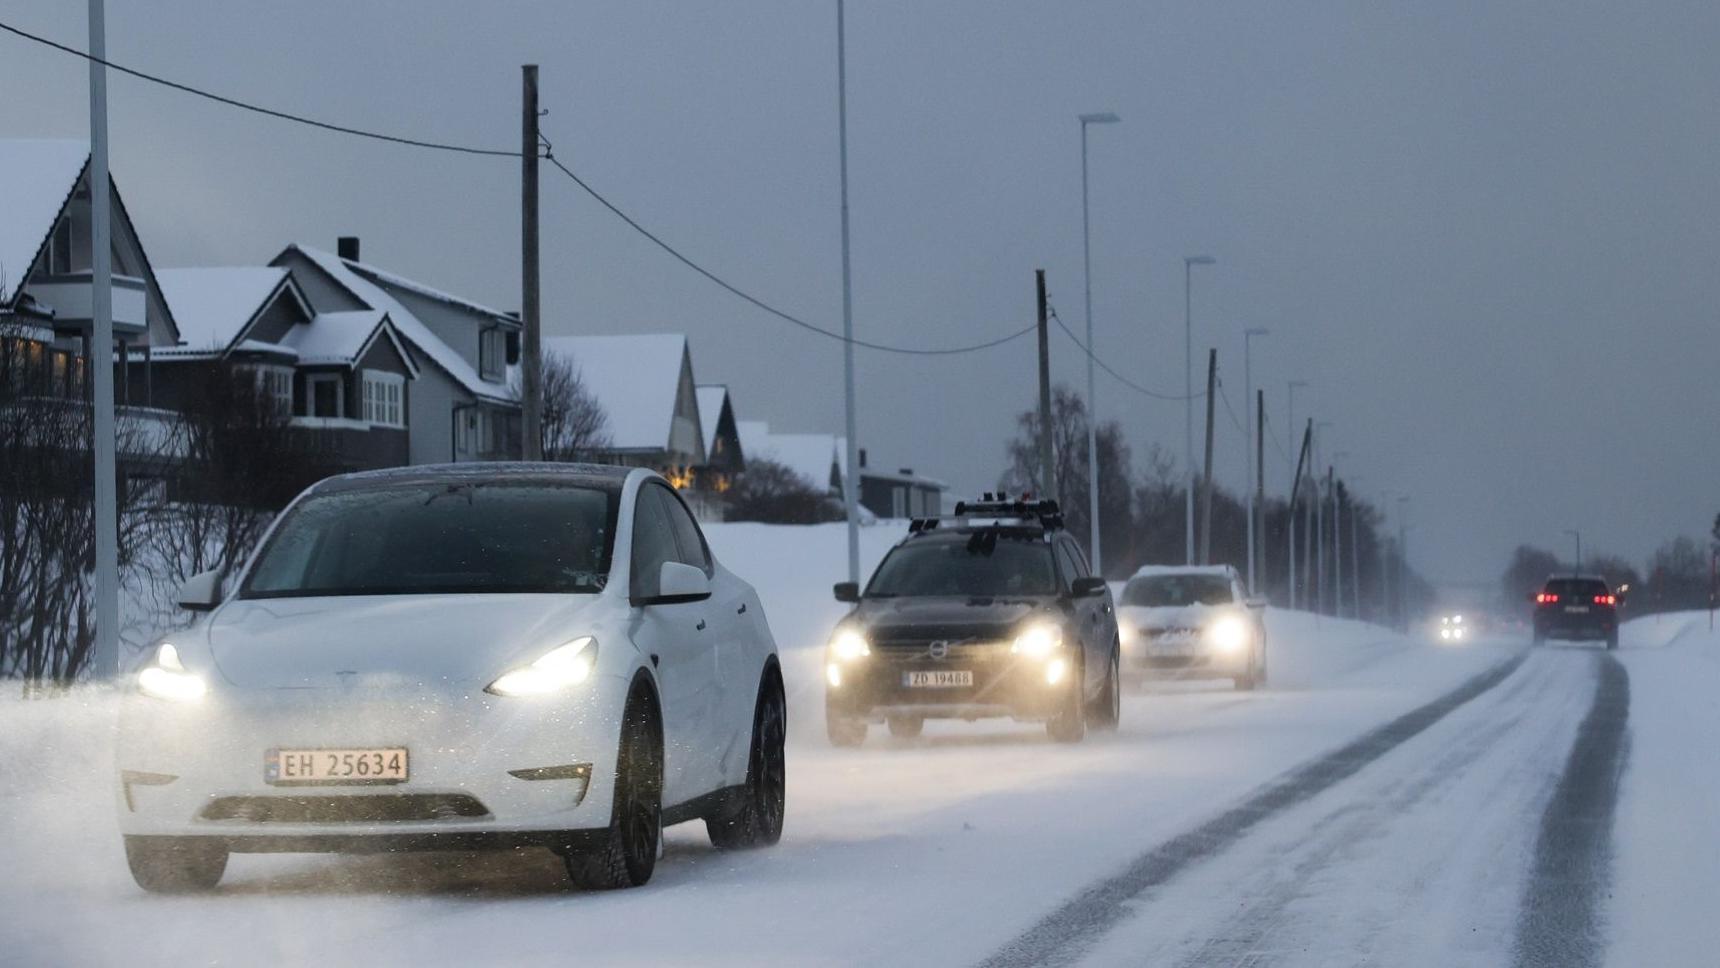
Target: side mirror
point(677, 583)
point(847, 591)
point(201, 592)
point(1090, 587)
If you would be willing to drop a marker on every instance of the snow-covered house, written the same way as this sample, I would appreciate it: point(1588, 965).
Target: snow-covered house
point(816, 458)
point(461, 405)
point(344, 378)
point(724, 456)
point(900, 493)
point(645, 386)
point(46, 290)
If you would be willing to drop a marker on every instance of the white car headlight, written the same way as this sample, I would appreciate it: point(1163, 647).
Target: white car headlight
point(1038, 641)
point(1228, 634)
point(167, 678)
point(849, 644)
point(555, 670)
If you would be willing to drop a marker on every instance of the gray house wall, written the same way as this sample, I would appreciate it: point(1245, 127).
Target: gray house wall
point(274, 321)
point(431, 408)
point(324, 294)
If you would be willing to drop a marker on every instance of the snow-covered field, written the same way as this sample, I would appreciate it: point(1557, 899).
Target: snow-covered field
point(1416, 845)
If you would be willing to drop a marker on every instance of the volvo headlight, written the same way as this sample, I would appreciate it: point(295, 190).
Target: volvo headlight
point(555, 670)
point(1038, 641)
point(167, 678)
point(849, 644)
point(1228, 634)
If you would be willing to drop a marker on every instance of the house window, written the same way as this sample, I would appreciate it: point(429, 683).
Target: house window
point(382, 398)
point(492, 353)
point(275, 384)
point(60, 248)
point(324, 391)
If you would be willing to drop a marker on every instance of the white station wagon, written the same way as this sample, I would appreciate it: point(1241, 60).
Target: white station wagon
point(471, 656)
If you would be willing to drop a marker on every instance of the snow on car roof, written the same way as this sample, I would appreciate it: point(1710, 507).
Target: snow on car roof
point(635, 377)
point(212, 304)
point(36, 178)
point(608, 476)
point(1151, 571)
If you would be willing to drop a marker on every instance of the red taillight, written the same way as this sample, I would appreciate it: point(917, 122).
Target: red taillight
point(1606, 600)
point(1546, 599)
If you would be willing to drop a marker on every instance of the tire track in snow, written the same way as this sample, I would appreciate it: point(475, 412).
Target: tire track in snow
point(1560, 919)
point(1064, 935)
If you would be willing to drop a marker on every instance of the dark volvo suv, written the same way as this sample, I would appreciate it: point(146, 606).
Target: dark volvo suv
point(991, 612)
point(1576, 607)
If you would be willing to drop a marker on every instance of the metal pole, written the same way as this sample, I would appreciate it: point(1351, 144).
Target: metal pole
point(1188, 407)
point(531, 369)
point(1248, 394)
point(1206, 484)
point(105, 658)
point(850, 474)
point(1290, 424)
point(1355, 559)
point(1337, 544)
point(1403, 563)
point(1578, 535)
point(1092, 404)
point(1047, 461)
point(1259, 483)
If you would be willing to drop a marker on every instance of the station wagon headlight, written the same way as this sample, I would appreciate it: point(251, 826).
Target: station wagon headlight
point(555, 670)
point(1228, 634)
point(167, 678)
point(1038, 641)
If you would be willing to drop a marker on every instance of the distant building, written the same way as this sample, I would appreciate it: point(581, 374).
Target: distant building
point(816, 458)
point(724, 455)
point(900, 494)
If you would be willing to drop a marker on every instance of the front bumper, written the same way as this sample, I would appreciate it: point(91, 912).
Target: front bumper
point(197, 769)
point(1004, 685)
point(1149, 657)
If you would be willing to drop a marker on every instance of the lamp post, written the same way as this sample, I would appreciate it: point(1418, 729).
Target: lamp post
point(1248, 395)
point(1578, 535)
point(851, 472)
point(1290, 439)
point(1103, 117)
point(1189, 262)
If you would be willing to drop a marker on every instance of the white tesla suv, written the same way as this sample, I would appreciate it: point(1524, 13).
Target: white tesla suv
point(458, 657)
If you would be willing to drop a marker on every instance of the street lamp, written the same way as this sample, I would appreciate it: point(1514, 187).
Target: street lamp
point(1189, 262)
point(1290, 438)
point(1578, 535)
point(850, 471)
point(1103, 117)
point(1248, 406)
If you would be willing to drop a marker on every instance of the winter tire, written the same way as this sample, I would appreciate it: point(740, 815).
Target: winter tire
point(628, 854)
point(906, 727)
point(758, 820)
point(844, 731)
point(1107, 710)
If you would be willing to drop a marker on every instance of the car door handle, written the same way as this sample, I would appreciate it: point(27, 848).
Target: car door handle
point(701, 626)
point(742, 610)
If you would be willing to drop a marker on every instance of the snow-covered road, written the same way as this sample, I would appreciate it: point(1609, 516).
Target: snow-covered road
point(1422, 842)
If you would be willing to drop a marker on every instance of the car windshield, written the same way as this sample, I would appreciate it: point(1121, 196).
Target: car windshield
point(985, 564)
point(440, 538)
point(1170, 591)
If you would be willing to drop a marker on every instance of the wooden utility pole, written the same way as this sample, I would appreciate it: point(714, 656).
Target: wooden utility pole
point(531, 362)
point(1047, 461)
point(1206, 482)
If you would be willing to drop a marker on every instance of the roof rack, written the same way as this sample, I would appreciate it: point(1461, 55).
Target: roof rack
point(1043, 512)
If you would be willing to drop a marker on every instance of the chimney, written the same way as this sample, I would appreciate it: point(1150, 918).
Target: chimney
point(905, 471)
point(347, 248)
point(862, 457)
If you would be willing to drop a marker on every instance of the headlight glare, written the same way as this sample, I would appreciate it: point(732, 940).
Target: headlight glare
point(167, 678)
point(1228, 634)
point(1038, 641)
point(848, 644)
point(555, 670)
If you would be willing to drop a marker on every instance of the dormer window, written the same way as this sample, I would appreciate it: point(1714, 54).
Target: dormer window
point(493, 353)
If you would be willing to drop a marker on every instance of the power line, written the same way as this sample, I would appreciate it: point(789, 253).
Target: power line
point(760, 303)
point(1125, 381)
point(255, 108)
point(1229, 410)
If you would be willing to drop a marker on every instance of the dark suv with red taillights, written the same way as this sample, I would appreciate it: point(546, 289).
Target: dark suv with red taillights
point(1579, 607)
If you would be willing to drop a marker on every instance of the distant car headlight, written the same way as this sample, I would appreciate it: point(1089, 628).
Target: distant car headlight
point(1228, 634)
point(167, 678)
point(555, 670)
point(849, 644)
point(1038, 641)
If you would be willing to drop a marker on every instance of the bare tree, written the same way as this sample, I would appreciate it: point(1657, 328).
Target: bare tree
point(773, 493)
point(575, 428)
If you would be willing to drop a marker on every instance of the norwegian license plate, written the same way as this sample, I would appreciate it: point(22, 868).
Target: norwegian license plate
point(335, 767)
point(1576, 609)
point(937, 679)
point(1180, 645)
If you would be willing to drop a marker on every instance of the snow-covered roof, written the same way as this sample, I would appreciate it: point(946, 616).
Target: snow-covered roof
point(410, 327)
point(36, 179)
point(337, 338)
point(811, 456)
point(711, 397)
point(636, 379)
point(411, 285)
point(921, 480)
point(212, 305)
point(1150, 571)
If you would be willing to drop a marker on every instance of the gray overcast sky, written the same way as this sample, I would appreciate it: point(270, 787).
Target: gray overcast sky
point(1487, 233)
